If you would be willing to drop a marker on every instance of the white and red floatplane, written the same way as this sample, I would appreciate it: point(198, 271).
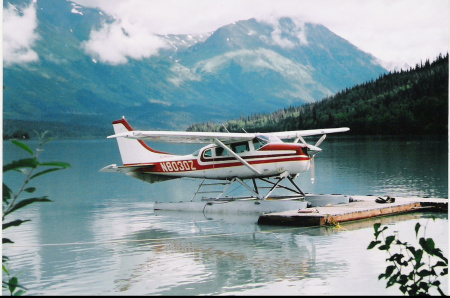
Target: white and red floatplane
point(231, 157)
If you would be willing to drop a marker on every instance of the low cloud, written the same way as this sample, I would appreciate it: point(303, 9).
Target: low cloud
point(114, 43)
point(19, 34)
point(392, 30)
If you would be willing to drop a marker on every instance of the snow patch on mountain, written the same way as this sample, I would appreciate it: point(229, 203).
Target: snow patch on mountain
point(182, 74)
point(254, 60)
point(180, 42)
point(286, 33)
point(74, 10)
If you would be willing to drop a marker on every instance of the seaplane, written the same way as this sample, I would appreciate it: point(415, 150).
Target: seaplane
point(228, 157)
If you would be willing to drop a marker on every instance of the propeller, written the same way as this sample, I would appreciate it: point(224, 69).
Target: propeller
point(312, 151)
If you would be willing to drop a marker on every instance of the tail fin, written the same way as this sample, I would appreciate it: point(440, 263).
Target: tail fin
point(134, 151)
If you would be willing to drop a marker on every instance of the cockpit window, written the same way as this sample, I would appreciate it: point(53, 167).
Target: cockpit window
point(207, 153)
point(221, 152)
point(240, 147)
point(257, 143)
point(264, 139)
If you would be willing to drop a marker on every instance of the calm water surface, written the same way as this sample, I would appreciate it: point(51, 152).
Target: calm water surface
point(101, 236)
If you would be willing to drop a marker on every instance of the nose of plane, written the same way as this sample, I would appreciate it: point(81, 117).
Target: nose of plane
point(313, 149)
point(310, 150)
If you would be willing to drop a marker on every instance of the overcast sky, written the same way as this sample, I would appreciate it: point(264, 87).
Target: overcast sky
point(396, 31)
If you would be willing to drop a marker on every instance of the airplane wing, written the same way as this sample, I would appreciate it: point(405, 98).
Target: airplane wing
point(210, 137)
point(310, 132)
point(186, 136)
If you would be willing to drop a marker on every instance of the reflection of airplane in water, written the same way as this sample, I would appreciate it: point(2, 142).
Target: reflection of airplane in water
point(213, 252)
point(230, 251)
point(229, 157)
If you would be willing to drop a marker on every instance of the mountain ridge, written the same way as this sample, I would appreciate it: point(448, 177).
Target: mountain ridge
point(411, 102)
point(246, 66)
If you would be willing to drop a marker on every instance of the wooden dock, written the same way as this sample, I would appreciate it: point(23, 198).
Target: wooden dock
point(359, 207)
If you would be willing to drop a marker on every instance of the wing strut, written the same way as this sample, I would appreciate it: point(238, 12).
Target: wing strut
point(218, 142)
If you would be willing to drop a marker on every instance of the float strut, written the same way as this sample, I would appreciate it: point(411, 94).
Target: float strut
point(296, 186)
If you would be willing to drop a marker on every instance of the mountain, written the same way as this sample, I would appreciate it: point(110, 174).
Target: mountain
point(246, 67)
point(412, 102)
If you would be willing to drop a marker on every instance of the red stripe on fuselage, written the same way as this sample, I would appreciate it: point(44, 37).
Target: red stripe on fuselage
point(190, 165)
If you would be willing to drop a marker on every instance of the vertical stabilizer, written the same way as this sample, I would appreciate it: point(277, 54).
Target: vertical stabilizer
point(134, 151)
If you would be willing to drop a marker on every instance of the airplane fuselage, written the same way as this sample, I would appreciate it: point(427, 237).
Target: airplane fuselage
point(213, 162)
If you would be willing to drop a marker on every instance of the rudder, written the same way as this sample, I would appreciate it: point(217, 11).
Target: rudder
point(134, 151)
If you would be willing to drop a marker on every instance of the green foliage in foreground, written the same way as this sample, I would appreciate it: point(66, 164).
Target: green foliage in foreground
point(415, 269)
point(13, 201)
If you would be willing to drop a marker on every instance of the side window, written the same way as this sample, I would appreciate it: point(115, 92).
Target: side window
point(240, 147)
point(207, 153)
point(221, 152)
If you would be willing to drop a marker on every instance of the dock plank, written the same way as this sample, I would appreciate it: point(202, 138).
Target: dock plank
point(360, 207)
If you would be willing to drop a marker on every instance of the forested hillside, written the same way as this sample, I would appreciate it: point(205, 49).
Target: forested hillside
point(20, 129)
point(412, 102)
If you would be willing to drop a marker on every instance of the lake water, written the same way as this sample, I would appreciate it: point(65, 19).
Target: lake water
point(101, 236)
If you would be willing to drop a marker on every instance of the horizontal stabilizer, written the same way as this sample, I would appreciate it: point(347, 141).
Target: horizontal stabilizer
point(136, 172)
point(125, 169)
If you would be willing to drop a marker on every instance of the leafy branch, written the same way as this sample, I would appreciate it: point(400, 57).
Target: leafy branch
point(12, 201)
point(415, 270)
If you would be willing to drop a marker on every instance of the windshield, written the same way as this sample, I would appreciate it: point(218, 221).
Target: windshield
point(264, 139)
